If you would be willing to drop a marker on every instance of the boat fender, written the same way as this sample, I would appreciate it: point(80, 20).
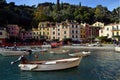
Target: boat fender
point(21, 65)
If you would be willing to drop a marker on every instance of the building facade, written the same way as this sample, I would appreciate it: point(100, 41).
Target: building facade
point(60, 31)
point(13, 30)
point(111, 31)
point(98, 24)
point(3, 35)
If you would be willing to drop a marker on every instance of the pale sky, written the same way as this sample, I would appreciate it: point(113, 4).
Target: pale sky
point(110, 4)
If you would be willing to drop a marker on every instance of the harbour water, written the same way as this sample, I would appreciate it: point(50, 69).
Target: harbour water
point(100, 65)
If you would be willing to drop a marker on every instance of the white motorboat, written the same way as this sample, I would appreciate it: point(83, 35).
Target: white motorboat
point(83, 53)
point(117, 48)
point(50, 65)
point(59, 51)
point(12, 52)
point(59, 64)
point(39, 50)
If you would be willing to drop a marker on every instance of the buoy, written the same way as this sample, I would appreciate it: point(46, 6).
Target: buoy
point(36, 56)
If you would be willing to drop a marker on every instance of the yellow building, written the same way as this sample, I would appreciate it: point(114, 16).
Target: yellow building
point(36, 33)
point(116, 31)
point(45, 29)
point(60, 31)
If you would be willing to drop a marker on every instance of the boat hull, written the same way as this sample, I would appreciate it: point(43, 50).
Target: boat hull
point(117, 49)
point(14, 53)
point(52, 65)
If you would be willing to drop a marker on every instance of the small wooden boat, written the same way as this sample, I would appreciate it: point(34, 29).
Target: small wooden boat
point(117, 48)
point(59, 64)
point(83, 53)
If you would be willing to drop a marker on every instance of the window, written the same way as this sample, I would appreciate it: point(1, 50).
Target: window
point(58, 29)
point(81, 36)
point(0, 33)
point(43, 33)
point(58, 33)
point(53, 37)
point(117, 27)
point(72, 36)
point(107, 29)
point(53, 32)
point(53, 28)
point(113, 27)
point(117, 33)
point(76, 32)
point(76, 36)
point(72, 26)
point(101, 31)
point(72, 31)
point(43, 28)
point(64, 32)
point(76, 26)
point(113, 33)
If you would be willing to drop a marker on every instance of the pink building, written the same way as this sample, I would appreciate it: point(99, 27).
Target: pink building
point(26, 35)
point(13, 30)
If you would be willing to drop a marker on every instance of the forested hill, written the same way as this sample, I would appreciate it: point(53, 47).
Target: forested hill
point(29, 16)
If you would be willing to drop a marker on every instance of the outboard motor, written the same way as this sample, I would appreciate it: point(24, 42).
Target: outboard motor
point(30, 51)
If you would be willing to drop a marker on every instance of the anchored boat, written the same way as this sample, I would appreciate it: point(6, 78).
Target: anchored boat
point(59, 64)
point(77, 54)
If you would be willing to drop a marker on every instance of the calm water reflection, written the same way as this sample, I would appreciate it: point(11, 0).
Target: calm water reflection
point(100, 65)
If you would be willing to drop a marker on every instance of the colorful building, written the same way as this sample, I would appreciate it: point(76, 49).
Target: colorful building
point(91, 32)
point(98, 24)
point(13, 30)
point(44, 30)
point(110, 31)
point(24, 35)
point(82, 33)
point(3, 35)
point(66, 30)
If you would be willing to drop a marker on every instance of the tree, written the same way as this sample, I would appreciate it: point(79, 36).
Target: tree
point(102, 14)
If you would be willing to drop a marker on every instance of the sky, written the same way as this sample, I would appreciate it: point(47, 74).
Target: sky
point(110, 4)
